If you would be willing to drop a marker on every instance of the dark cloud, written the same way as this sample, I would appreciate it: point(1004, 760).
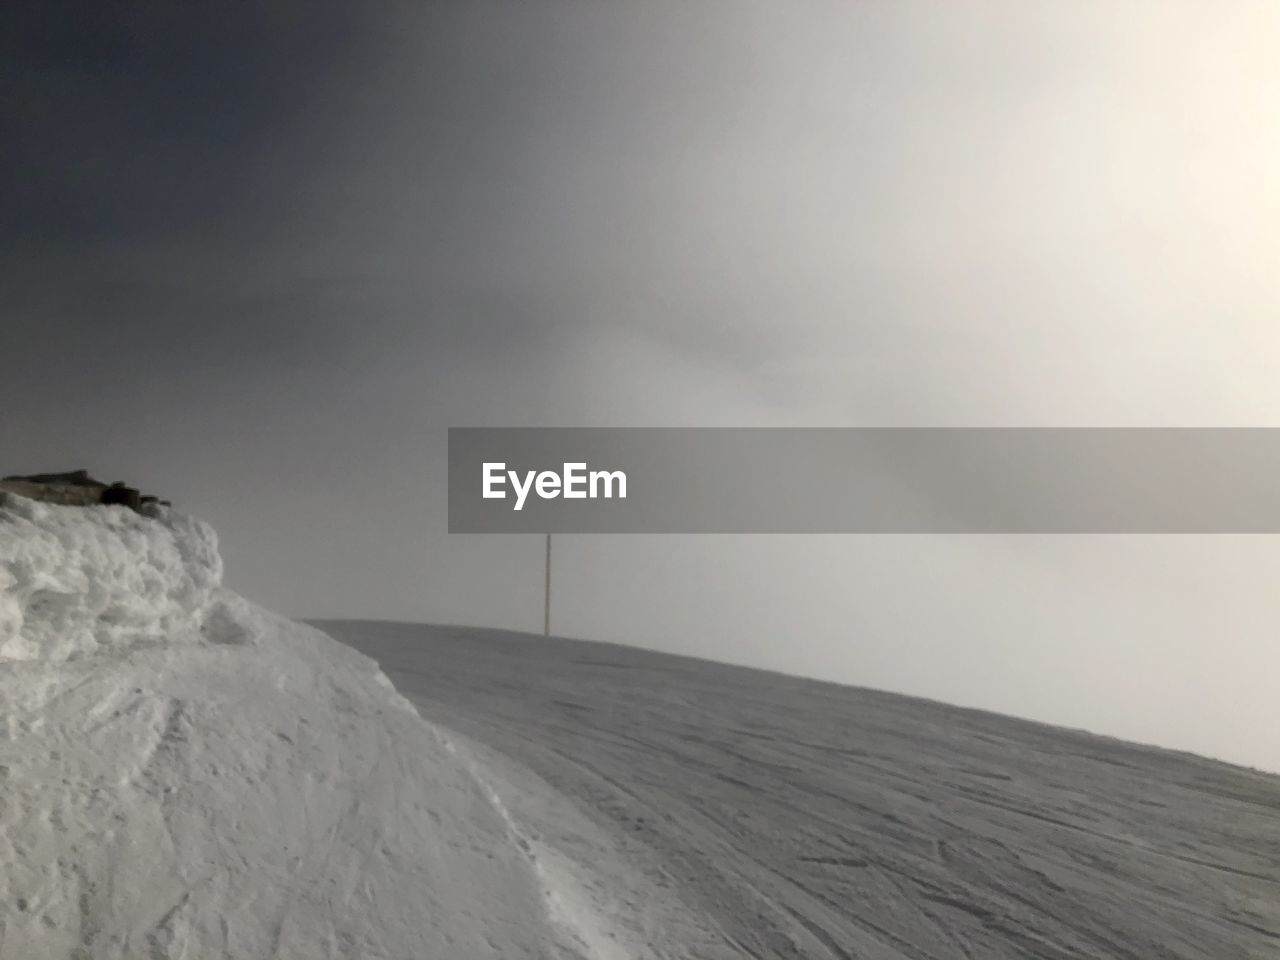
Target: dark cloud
point(140, 119)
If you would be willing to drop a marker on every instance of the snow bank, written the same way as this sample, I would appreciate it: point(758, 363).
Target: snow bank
point(184, 775)
point(71, 587)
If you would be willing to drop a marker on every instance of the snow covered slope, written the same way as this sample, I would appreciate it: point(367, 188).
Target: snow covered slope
point(789, 819)
point(183, 775)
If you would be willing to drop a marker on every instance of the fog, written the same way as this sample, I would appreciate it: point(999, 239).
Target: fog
point(261, 265)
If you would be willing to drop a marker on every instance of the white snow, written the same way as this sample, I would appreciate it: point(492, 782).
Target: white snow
point(184, 775)
point(736, 813)
point(75, 581)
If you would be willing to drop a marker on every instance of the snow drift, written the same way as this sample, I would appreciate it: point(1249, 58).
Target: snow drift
point(184, 775)
point(76, 581)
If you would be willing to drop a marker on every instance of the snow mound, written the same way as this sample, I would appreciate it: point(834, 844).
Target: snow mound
point(70, 587)
point(185, 775)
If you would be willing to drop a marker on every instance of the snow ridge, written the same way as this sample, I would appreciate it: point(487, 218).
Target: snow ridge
point(76, 580)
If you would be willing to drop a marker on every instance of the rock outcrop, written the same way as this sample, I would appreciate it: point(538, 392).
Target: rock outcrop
point(76, 489)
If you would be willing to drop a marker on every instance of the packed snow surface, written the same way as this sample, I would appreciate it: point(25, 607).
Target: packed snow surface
point(763, 816)
point(183, 775)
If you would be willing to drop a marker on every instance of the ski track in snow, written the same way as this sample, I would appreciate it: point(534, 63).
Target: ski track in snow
point(714, 812)
point(184, 776)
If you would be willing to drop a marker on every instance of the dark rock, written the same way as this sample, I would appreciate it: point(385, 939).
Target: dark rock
point(77, 489)
point(76, 477)
point(67, 494)
point(118, 493)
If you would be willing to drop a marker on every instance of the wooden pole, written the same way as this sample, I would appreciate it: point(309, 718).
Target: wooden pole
point(546, 606)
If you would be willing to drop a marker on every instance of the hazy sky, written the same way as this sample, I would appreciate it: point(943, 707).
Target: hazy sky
point(259, 259)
